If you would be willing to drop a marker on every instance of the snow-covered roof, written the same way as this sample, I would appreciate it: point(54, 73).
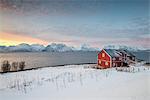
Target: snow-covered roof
point(117, 53)
point(126, 52)
point(113, 52)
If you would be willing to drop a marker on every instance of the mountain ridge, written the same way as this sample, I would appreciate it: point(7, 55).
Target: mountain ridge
point(54, 47)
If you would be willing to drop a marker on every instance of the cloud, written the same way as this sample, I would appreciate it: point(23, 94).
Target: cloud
point(12, 39)
point(52, 7)
point(97, 22)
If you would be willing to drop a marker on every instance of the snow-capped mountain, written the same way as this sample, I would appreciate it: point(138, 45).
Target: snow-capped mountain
point(58, 48)
point(85, 47)
point(3, 48)
point(122, 47)
point(37, 47)
point(21, 48)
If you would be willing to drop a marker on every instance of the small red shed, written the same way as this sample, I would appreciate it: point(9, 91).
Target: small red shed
point(114, 58)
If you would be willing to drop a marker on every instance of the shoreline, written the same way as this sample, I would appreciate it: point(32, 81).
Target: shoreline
point(36, 68)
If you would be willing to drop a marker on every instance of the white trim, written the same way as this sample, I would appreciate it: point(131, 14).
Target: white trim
point(111, 62)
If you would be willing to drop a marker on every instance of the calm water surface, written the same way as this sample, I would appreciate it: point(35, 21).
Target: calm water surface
point(43, 59)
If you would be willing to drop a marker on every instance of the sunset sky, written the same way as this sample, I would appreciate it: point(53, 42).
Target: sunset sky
point(75, 22)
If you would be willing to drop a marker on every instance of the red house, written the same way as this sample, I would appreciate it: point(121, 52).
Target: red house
point(114, 58)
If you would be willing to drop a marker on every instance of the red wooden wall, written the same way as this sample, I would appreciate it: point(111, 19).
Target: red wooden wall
point(104, 61)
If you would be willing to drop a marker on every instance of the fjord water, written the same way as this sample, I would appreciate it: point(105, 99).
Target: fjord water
point(44, 59)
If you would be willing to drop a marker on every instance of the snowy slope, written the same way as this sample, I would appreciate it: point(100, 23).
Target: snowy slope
point(75, 82)
point(37, 47)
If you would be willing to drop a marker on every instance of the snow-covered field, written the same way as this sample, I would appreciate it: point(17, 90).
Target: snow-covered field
point(76, 82)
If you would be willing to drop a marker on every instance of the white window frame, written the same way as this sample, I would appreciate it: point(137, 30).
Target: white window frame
point(106, 63)
point(114, 64)
point(99, 61)
point(114, 58)
point(103, 54)
point(120, 58)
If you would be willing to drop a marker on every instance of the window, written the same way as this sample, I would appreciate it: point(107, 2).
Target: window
point(114, 58)
point(103, 54)
point(106, 63)
point(120, 58)
point(114, 64)
point(99, 61)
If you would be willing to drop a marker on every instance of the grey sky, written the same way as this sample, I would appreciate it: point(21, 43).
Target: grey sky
point(73, 22)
